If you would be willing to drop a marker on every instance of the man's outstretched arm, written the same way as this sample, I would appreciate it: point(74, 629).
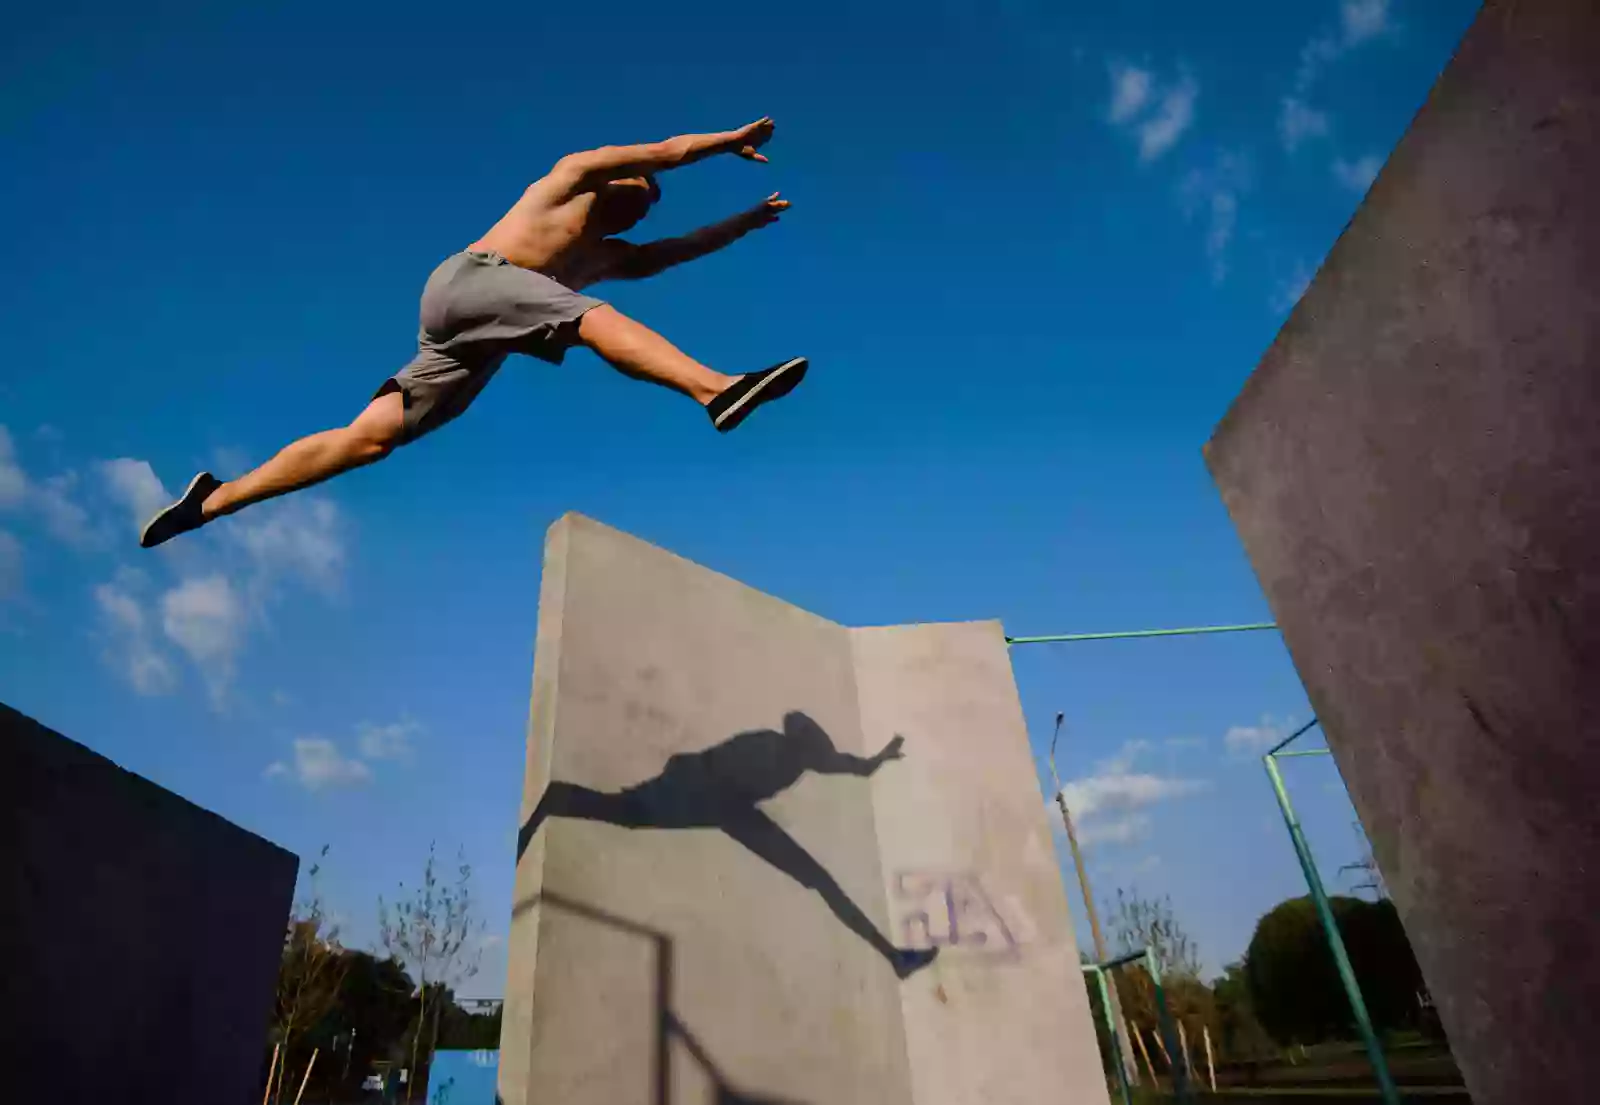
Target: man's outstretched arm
point(638, 262)
point(579, 171)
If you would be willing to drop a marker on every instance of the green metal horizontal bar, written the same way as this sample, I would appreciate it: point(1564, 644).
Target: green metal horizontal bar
point(1292, 737)
point(1131, 633)
point(1114, 963)
point(1303, 752)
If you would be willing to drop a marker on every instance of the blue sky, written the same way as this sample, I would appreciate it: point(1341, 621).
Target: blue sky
point(1034, 252)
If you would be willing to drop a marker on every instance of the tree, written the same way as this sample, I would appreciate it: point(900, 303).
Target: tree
point(1294, 983)
point(369, 1020)
point(310, 972)
point(1138, 923)
point(1239, 1032)
point(434, 934)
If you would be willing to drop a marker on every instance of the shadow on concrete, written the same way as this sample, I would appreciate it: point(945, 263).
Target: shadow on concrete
point(719, 788)
point(668, 1026)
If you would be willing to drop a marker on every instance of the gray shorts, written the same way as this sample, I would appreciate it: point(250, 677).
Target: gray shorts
point(477, 309)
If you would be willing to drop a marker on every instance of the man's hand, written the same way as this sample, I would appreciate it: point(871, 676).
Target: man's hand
point(748, 139)
point(892, 750)
point(766, 212)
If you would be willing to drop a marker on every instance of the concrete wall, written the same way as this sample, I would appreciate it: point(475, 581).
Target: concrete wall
point(702, 907)
point(142, 934)
point(1414, 469)
point(1001, 1015)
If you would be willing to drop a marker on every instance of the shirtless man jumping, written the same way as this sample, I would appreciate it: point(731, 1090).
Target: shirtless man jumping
point(515, 291)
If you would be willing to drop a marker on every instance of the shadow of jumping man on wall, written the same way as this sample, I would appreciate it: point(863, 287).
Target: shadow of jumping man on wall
point(720, 788)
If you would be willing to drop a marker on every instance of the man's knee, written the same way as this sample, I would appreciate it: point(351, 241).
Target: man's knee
point(380, 429)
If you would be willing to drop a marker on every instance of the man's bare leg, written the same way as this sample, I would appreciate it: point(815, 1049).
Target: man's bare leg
point(639, 351)
point(371, 437)
point(374, 433)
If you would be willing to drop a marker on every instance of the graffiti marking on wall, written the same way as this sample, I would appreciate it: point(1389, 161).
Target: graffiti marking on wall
point(953, 909)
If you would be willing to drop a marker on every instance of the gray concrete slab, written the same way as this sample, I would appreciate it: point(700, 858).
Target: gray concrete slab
point(142, 934)
point(702, 907)
point(1414, 469)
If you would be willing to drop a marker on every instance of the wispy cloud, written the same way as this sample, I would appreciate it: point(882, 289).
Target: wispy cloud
point(1213, 194)
point(387, 742)
point(52, 500)
point(1156, 113)
point(130, 648)
point(1359, 174)
point(1298, 121)
point(1360, 21)
point(1130, 92)
point(205, 617)
point(133, 484)
point(318, 764)
point(1256, 739)
point(10, 566)
point(13, 480)
point(1112, 805)
point(1363, 19)
point(300, 537)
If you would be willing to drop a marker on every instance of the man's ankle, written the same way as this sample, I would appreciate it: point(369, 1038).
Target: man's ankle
point(215, 504)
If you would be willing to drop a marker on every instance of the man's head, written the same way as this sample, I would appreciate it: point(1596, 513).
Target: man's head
point(620, 204)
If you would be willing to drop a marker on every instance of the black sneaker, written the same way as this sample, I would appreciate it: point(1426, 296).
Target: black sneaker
point(908, 961)
point(182, 516)
point(749, 392)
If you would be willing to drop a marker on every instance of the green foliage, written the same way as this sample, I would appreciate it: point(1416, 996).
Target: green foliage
point(1294, 984)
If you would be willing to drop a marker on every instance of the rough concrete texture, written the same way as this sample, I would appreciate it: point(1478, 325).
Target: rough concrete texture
point(142, 934)
point(1414, 469)
point(727, 860)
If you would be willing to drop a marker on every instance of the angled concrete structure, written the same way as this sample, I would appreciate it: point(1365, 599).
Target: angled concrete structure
point(1414, 469)
point(766, 858)
point(142, 934)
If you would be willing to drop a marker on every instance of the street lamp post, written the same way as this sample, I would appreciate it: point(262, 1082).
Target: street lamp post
point(1125, 1046)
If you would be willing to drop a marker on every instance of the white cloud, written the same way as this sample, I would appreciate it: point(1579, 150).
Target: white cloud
point(62, 516)
point(300, 537)
point(10, 566)
point(1129, 754)
point(51, 500)
point(1156, 114)
point(135, 485)
point(206, 619)
point(1256, 739)
point(1123, 792)
point(387, 742)
point(1214, 194)
point(1359, 21)
point(318, 763)
point(1161, 131)
point(1130, 92)
point(1129, 829)
point(1359, 174)
point(13, 480)
point(1298, 121)
point(130, 651)
point(1291, 290)
point(276, 770)
point(1363, 19)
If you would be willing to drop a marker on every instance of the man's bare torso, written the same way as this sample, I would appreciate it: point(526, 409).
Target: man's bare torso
point(551, 235)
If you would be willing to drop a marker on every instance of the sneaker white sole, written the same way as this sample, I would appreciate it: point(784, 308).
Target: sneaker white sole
point(748, 397)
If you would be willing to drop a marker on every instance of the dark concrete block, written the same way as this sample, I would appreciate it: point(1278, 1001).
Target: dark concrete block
point(141, 934)
point(1414, 469)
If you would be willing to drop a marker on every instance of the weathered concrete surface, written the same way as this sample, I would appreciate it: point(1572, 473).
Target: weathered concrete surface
point(1414, 469)
point(1001, 1016)
point(700, 904)
point(142, 934)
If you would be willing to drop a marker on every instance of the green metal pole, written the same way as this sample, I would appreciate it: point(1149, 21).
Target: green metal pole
point(1128, 634)
point(1111, 1031)
point(1169, 1035)
point(1330, 929)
